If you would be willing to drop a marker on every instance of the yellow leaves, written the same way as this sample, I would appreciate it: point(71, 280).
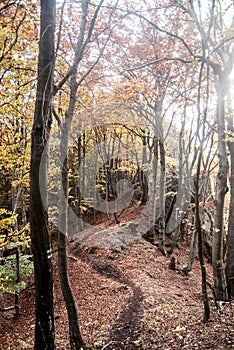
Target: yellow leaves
point(170, 161)
point(3, 34)
point(179, 331)
point(24, 345)
point(137, 342)
point(18, 182)
point(6, 220)
point(5, 223)
point(230, 136)
point(4, 211)
point(150, 300)
point(8, 235)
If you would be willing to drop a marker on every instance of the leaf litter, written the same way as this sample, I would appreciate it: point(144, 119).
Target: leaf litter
point(128, 298)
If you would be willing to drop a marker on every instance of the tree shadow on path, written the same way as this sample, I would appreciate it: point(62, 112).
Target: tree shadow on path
point(126, 330)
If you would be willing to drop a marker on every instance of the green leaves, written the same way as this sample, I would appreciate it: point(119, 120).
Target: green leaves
point(12, 241)
point(8, 273)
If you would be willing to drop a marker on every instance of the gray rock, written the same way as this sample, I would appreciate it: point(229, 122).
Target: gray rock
point(112, 237)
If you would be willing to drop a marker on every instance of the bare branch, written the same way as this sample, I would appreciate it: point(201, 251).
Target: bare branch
point(82, 44)
point(158, 60)
point(4, 54)
point(60, 27)
point(101, 53)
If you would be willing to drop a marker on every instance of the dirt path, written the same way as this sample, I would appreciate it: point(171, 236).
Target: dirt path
point(128, 298)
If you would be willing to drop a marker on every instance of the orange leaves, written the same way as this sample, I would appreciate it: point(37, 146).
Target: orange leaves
point(130, 91)
point(18, 25)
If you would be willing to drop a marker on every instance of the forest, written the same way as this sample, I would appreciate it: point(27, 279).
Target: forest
point(117, 174)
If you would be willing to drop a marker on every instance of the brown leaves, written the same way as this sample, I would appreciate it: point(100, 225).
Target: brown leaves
point(113, 289)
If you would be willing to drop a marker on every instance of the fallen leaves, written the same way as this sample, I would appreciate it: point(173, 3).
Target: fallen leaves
point(129, 300)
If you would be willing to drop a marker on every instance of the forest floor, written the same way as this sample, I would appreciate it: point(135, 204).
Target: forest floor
point(128, 298)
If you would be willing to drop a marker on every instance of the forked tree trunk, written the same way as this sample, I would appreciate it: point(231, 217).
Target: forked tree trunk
point(76, 341)
point(40, 237)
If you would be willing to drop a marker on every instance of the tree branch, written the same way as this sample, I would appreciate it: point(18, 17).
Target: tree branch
point(4, 54)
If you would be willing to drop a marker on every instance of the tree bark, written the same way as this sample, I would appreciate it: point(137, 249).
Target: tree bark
point(152, 184)
point(40, 237)
point(221, 190)
point(230, 237)
point(206, 315)
point(162, 217)
point(76, 341)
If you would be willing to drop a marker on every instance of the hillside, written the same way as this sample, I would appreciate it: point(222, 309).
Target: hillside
point(128, 298)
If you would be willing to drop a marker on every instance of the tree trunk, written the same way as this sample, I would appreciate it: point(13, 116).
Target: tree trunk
point(192, 252)
point(230, 238)
point(18, 278)
point(221, 190)
point(162, 217)
point(40, 237)
point(153, 186)
point(198, 227)
point(76, 341)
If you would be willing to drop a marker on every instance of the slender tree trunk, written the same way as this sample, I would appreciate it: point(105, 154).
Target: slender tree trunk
point(174, 221)
point(198, 227)
point(230, 238)
point(76, 341)
point(162, 216)
point(173, 224)
point(18, 278)
point(80, 160)
point(152, 183)
point(221, 190)
point(192, 252)
point(40, 237)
